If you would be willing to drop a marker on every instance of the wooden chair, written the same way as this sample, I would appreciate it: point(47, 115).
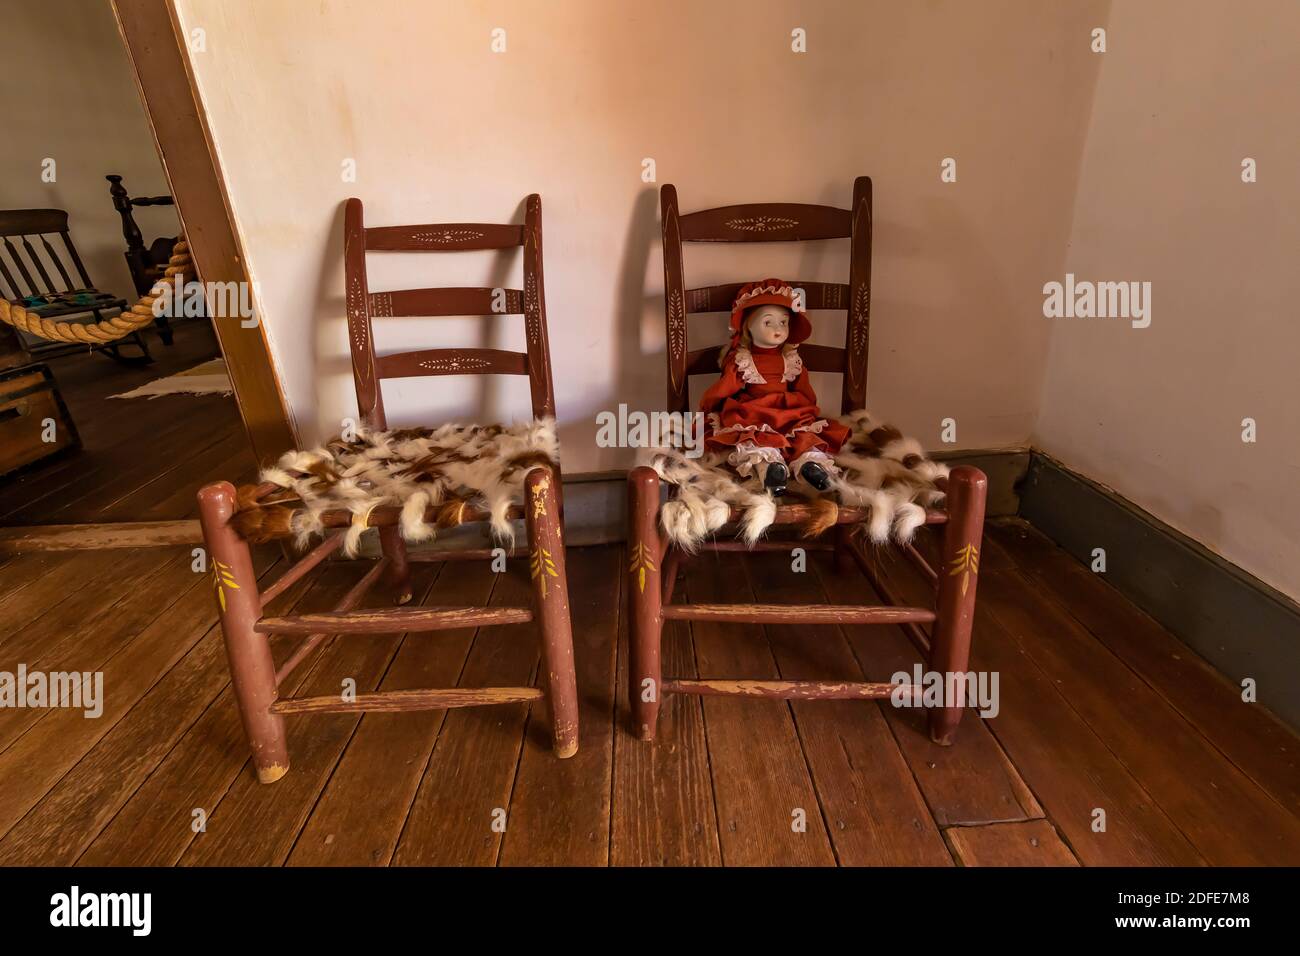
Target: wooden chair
point(146, 263)
point(254, 674)
point(21, 231)
point(654, 564)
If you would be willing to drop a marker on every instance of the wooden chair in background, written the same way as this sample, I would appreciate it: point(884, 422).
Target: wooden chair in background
point(654, 564)
point(146, 263)
point(254, 674)
point(26, 277)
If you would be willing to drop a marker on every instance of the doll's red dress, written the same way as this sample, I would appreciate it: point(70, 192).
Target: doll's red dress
point(764, 409)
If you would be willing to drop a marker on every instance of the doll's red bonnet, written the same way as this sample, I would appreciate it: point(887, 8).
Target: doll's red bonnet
point(769, 292)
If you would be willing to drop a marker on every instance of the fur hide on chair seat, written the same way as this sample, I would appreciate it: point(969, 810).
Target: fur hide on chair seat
point(433, 475)
point(878, 468)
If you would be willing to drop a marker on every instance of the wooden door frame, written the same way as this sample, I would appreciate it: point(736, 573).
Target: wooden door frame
point(160, 61)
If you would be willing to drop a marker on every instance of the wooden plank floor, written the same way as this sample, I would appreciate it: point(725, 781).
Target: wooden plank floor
point(1104, 719)
point(142, 458)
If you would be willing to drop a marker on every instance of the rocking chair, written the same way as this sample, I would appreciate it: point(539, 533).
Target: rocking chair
point(654, 562)
point(255, 676)
point(72, 296)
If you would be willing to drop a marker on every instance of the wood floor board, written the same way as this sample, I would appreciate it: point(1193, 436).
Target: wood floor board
point(560, 809)
point(663, 803)
point(1030, 843)
point(137, 658)
point(155, 825)
point(1182, 772)
point(1070, 769)
point(463, 801)
point(766, 803)
point(356, 822)
point(873, 811)
point(1260, 744)
point(971, 782)
point(257, 824)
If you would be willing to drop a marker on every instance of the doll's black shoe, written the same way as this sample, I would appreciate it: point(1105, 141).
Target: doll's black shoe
point(776, 477)
point(815, 475)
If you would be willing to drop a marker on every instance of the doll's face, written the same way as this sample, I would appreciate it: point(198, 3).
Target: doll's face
point(769, 325)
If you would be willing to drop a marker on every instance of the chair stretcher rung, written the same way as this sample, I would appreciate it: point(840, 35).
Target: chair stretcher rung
point(407, 700)
point(797, 614)
point(393, 620)
point(786, 689)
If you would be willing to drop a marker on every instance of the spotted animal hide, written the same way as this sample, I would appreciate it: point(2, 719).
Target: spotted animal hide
point(878, 468)
point(433, 475)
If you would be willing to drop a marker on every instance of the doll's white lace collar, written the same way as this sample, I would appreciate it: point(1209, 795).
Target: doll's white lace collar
point(750, 374)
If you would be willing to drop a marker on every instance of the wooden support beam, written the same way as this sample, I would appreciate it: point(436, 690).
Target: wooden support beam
point(797, 613)
point(799, 514)
point(303, 567)
point(915, 633)
point(922, 565)
point(393, 620)
point(731, 544)
point(351, 600)
point(120, 534)
point(465, 554)
point(790, 689)
point(407, 700)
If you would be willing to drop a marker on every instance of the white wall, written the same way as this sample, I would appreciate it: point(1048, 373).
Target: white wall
point(443, 129)
point(1186, 91)
point(67, 94)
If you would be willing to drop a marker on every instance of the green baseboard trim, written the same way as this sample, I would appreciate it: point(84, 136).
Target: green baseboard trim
point(1242, 626)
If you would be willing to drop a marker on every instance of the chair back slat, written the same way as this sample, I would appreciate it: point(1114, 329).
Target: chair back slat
point(10, 290)
point(769, 222)
point(718, 298)
point(369, 369)
point(443, 237)
point(47, 285)
point(452, 362)
point(58, 263)
point(766, 222)
point(22, 269)
point(451, 301)
point(76, 259)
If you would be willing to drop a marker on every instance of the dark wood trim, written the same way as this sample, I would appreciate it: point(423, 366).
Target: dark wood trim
point(122, 534)
point(1242, 626)
point(165, 80)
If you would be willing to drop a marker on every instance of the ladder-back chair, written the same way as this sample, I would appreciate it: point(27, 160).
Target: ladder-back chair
point(255, 675)
point(42, 280)
point(654, 562)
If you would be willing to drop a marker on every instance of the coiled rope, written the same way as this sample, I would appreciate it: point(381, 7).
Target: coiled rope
point(109, 330)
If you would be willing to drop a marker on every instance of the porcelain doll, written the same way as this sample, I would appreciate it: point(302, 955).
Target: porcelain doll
point(762, 413)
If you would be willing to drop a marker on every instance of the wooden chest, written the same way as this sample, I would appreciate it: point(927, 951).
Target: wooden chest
point(34, 422)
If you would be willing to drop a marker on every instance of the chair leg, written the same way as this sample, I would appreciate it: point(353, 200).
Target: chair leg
point(399, 568)
point(252, 669)
point(958, 576)
point(844, 562)
point(645, 607)
point(551, 600)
